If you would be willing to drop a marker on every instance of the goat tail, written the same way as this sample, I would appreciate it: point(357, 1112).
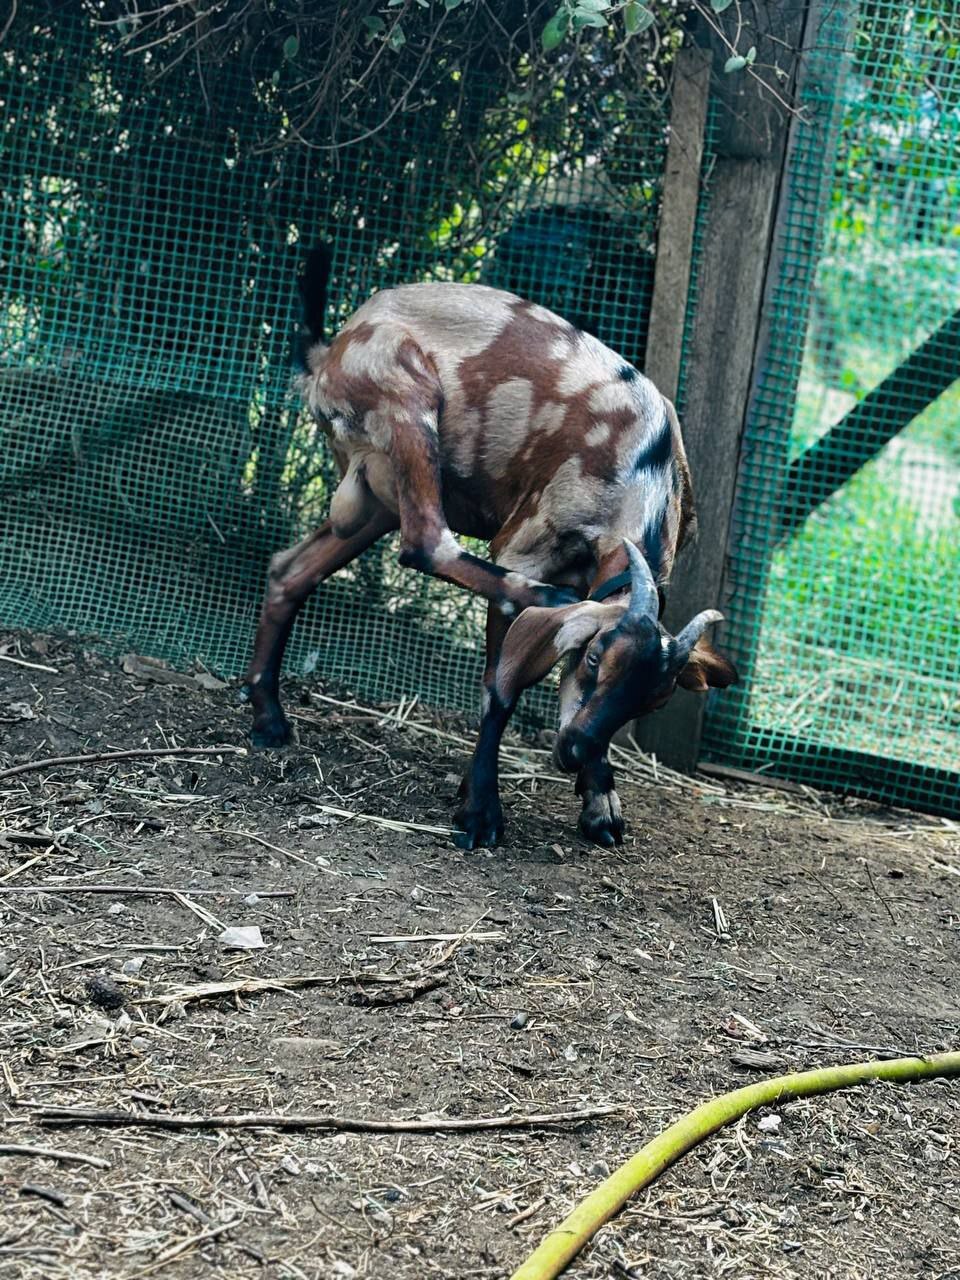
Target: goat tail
point(313, 297)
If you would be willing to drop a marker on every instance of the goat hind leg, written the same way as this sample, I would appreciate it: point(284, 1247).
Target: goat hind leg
point(479, 816)
point(293, 577)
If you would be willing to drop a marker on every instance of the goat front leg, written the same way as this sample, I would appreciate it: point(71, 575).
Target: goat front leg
point(600, 818)
point(294, 575)
point(479, 816)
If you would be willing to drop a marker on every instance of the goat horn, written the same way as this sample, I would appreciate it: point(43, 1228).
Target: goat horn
point(644, 598)
point(692, 632)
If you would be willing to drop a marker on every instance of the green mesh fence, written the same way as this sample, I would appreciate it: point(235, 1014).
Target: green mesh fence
point(845, 608)
point(151, 456)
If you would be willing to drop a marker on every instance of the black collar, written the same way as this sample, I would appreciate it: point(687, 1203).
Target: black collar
point(611, 586)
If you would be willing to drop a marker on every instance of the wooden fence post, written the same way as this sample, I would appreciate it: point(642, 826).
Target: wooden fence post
point(743, 200)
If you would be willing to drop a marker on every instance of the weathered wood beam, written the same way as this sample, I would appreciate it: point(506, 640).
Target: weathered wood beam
point(738, 239)
point(690, 93)
point(860, 435)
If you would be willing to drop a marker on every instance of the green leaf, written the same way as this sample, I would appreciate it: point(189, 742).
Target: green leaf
point(375, 25)
point(587, 18)
point(452, 4)
point(736, 63)
point(751, 55)
point(718, 6)
point(555, 30)
point(291, 47)
point(636, 17)
point(396, 39)
point(592, 6)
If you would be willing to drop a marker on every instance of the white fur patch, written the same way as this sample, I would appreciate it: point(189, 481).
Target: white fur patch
point(461, 437)
point(447, 549)
point(465, 318)
point(508, 414)
point(612, 397)
point(536, 312)
point(517, 581)
point(561, 348)
point(549, 417)
point(577, 374)
point(597, 435)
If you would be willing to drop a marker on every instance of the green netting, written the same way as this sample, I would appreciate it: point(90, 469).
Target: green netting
point(151, 456)
point(845, 609)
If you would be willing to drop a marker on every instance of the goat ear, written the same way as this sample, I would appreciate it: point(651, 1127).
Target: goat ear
point(707, 669)
point(540, 637)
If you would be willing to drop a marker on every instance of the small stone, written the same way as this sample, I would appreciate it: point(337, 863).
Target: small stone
point(341, 1268)
point(251, 900)
point(290, 1164)
point(770, 1124)
point(140, 1044)
point(4, 966)
point(599, 1169)
point(570, 1053)
point(114, 908)
point(104, 992)
point(132, 966)
point(519, 1021)
point(308, 821)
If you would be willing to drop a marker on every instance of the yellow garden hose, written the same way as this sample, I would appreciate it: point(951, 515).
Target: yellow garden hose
point(565, 1242)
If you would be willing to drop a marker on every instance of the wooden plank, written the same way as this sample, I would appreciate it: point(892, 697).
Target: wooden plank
point(860, 435)
point(678, 218)
point(738, 239)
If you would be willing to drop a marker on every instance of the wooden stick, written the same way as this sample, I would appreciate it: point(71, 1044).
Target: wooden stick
point(252, 986)
point(145, 891)
point(34, 666)
point(331, 1123)
point(98, 757)
point(51, 1153)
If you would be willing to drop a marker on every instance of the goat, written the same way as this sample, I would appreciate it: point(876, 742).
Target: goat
point(461, 407)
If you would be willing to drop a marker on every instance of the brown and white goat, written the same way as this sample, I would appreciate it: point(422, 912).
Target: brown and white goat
point(460, 408)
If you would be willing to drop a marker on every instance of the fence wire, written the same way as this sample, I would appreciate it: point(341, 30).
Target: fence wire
point(846, 561)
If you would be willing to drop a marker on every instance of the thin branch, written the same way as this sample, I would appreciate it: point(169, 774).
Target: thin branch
point(326, 1123)
point(52, 1153)
point(98, 757)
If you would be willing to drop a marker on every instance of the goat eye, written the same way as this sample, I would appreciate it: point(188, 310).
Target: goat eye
point(593, 659)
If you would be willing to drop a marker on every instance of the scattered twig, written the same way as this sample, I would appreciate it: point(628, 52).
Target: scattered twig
point(45, 1193)
point(145, 891)
point(389, 824)
point(400, 994)
point(187, 1206)
point(496, 935)
point(100, 757)
point(52, 1153)
point(21, 662)
point(330, 1123)
point(252, 986)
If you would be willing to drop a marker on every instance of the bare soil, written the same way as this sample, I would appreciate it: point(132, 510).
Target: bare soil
point(740, 931)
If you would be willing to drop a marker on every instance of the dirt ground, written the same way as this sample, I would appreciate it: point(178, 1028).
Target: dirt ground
point(741, 931)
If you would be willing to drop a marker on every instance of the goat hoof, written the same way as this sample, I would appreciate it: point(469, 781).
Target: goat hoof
point(601, 822)
point(478, 828)
point(272, 732)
